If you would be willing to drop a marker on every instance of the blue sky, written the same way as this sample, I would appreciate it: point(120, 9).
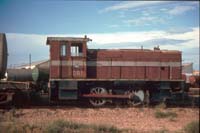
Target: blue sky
point(110, 24)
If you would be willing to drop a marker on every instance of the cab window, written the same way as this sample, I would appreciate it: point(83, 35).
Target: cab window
point(63, 50)
point(76, 49)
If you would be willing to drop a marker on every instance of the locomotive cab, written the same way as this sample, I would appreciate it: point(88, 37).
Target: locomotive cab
point(67, 64)
point(68, 57)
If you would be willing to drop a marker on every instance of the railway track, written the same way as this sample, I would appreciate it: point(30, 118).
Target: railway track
point(193, 103)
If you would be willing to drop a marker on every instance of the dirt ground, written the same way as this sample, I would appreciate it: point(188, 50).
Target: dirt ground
point(139, 119)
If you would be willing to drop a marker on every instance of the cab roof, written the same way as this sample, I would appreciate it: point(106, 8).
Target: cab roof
point(71, 39)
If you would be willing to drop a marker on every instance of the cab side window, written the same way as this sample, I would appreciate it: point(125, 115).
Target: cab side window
point(76, 49)
point(63, 49)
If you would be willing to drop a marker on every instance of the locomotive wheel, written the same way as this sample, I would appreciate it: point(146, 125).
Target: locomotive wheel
point(136, 97)
point(97, 102)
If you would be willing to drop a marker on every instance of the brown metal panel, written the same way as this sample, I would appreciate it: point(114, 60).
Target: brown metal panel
point(126, 72)
point(54, 55)
point(140, 55)
point(66, 72)
point(98, 72)
point(169, 56)
point(54, 72)
point(134, 72)
point(152, 73)
point(150, 56)
point(65, 68)
point(103, 72)
point(129, 55)
point(115, 72)
point(106, 54)
point(164, 73)
point(140, 74)
point(176, 73)
point(131, 72)
point(55, 51)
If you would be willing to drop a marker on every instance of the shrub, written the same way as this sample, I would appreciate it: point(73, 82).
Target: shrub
point(17, 127)
point(159, 114)
point(162, 131)
point(192, 127)
point(56, 127)
point(11, 127)
point(162, 105)
point(106, 129)
point(60, 126)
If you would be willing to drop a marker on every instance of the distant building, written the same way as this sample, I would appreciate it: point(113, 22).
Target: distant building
point(187, 68)
point(196, 72)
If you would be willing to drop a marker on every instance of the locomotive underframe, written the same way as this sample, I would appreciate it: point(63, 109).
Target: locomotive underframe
point(71, 89)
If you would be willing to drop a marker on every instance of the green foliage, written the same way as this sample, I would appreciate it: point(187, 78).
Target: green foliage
point(106, 129)
point(160, 114)
point(162, 105)
point(61, 126)
point(56, 127)
point(192, 127)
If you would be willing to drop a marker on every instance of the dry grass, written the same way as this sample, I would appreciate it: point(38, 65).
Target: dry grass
point(11, 124)
point(73, 119)
point(18, 127)
point(192, 127)
point(58, 126)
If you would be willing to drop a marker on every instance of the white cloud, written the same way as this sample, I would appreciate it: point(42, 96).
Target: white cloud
point(192, 35)
point(144, 20)
point(122, 37)
point(180, 10)
point(170, 7)
point(20, 45)
point(107, 38)
point(131, 5)
point(28, 39)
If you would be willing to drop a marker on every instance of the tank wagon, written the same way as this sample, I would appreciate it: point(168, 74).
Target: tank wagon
point(101, 75)
point(19, 80)
point(3, 55)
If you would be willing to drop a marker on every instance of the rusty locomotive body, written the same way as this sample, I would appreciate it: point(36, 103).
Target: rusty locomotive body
point(74, 72)
point(102, 75)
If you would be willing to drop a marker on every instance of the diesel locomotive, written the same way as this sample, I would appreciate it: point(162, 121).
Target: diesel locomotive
point(136, 76)
point(103, 75)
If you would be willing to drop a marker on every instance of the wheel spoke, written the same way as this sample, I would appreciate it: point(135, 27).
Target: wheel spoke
point(98, 102)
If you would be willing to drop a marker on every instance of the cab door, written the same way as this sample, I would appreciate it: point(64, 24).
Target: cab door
point(78, 57)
